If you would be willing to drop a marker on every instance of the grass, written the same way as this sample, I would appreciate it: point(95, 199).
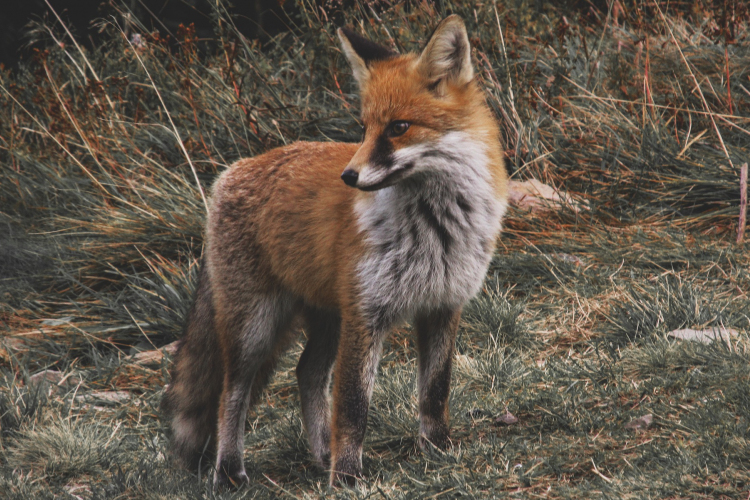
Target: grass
point(101, 229)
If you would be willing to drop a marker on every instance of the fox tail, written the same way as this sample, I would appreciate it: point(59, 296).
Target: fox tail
point(191, 402)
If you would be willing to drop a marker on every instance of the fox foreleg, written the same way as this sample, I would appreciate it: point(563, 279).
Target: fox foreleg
point(354, 376)
point(436, 337)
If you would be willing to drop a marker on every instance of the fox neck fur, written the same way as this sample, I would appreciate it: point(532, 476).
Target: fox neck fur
point(429, 239)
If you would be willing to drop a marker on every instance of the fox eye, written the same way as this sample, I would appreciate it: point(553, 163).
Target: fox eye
point(398, 128)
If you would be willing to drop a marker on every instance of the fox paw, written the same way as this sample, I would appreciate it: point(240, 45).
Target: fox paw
point(439, 440)
point(230, 475)
point(324, 460)
point(344, 479)
point(346, 473)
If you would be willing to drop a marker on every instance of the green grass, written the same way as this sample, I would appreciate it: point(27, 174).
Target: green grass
point(101, 230)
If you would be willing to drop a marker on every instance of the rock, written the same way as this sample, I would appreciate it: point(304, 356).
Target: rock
point(106, 397)
point(506, 419)
point(49, 376)
point(640, 423)
point(54, 378)
point(475, 413)
point(155, 356)
point(538, 197)
point(570, 259)
point(704, 336)
point(57, 321)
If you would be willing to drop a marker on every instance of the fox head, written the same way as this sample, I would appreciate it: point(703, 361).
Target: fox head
point(410, 103)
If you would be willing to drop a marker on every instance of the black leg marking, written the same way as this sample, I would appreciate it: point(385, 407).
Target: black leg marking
point(314, 376)
point(356, 366)
point(356, 403)
point(436, 334)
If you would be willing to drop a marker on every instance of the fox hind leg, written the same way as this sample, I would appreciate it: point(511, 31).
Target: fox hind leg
point(254, 339)
point(314, 378)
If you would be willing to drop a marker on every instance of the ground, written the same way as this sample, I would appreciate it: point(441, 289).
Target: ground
point(567, 382)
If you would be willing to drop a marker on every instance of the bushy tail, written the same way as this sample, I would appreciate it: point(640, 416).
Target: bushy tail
point(191, 402)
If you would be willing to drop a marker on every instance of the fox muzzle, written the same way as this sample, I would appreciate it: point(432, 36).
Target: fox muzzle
point(350, 177)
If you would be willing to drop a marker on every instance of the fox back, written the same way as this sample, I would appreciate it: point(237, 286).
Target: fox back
point(408, 235)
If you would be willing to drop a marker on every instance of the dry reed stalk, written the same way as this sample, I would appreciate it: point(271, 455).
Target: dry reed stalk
point(743, 203)
point(697, 85)
point(721, 116)
point(510, 81)
point(72, 120)
point(729, 87)
point(56, 141)
point(83, 55)
point(171, 122)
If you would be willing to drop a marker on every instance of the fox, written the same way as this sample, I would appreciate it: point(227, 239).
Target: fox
point(408, 236)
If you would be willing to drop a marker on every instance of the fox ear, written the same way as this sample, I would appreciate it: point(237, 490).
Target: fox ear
point(361, 52)
point(447, 56)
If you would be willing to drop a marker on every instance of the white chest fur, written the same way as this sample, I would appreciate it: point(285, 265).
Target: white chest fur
point(430, 238)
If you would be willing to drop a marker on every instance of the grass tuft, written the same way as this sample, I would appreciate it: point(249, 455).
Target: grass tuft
point(668, 304)
point(62, 450)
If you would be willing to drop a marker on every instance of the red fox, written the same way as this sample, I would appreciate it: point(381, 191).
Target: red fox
point(407, 236)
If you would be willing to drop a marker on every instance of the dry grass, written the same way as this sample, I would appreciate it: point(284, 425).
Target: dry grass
point(100, 229)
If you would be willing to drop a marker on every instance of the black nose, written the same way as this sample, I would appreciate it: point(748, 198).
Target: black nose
point(350, 177)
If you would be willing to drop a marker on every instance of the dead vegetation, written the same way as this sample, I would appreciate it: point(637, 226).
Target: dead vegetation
point(637, 113)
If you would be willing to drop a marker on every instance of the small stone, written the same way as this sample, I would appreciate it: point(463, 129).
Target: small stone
point(571, 259)
point(54, 377)
point(48, 376)
point(640, 423)
point(536, 196)
point(506, 419)
point(57, 321)
point(155, 356)
point(107, 397)
point(475, 413)
point(704, 336)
